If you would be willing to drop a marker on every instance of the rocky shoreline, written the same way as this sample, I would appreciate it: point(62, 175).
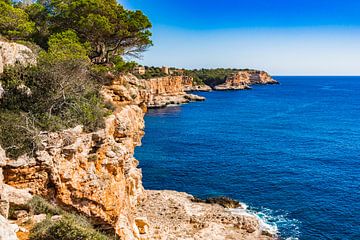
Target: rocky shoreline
point(96, 174)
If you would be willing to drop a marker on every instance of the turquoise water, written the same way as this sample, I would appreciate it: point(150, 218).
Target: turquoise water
point(291, 152)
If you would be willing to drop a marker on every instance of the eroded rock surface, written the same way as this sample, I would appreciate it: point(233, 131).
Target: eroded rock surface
point(7, 230)
point(172, 215)
point(94, 173)
point(12, 53)
point(152, 93)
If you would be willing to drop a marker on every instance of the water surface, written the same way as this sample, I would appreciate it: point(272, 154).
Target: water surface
point(291, 152)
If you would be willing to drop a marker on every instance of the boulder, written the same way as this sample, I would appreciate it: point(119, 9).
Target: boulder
point(12, 53)
point(16, 197)
point(7, 230)
point(38, 218)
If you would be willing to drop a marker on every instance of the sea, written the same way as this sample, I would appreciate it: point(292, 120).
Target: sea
point(290, 152)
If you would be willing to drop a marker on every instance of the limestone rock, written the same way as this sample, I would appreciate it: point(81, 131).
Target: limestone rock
point(16, 197)
point(22, 161)
point(97, 174)
point(7, 230)
point(172, 215)
point(197, 88)
point(2, 157)
point(12, 53)
point(38, 218)
point(142, 224)
point(154, 93)
point(94, 173)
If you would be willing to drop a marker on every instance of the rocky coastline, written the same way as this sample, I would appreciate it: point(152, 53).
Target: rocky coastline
point(97, 175)
point(243, 80)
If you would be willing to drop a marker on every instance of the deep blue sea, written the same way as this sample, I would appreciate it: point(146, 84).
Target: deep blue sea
point(290, 151)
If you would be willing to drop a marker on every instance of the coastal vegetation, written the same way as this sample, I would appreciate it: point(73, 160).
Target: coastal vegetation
point(151, 72)
point(78, 42)
point(60, 223)
point(211, 77)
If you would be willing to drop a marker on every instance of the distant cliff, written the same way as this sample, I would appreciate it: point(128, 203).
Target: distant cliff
point(153, 93)
point(244, 79)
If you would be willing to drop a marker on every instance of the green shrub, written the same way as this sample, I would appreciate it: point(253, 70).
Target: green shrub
point(18, 135)
point(69, 227)
point(57, 94)
point(39, 205)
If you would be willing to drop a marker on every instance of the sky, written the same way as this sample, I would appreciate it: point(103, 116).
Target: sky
point(283, 37)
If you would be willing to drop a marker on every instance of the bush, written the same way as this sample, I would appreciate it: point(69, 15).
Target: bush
point(18, 135)
point(69, 227)
point(38, 205)
point(57, 94)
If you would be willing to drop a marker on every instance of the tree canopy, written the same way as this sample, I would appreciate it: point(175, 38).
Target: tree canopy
point(103, 25)
point(14, 21)
point(80, 40)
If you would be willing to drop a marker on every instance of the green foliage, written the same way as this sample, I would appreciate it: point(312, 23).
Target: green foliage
point(62, 90)
point(56, 94)
point(110, 29)
point(66, 46)
point(122, 66)
point(69, 227)
point(17, 133)
point(103, 26)
point(152, 72)
point(14, 22)
point(39, 205)
point(211, 77)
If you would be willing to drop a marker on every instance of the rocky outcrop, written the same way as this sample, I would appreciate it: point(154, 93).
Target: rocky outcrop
point(198, 88)
point(152, 93)
point(12, 53)
point(189, 86)
point(173, 215)
point(94, 173)
point(244, 79)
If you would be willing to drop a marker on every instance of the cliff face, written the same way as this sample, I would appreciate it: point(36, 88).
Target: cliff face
point(94, 173)
point(152, 93)
point(244, 79)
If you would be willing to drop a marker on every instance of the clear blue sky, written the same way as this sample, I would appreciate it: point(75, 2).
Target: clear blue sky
point(284, 37)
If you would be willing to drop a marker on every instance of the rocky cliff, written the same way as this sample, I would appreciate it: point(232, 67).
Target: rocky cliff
point(244, 79)
point(95, 173)
point(153, 93)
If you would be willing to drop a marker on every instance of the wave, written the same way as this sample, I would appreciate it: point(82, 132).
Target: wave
point(274, 222)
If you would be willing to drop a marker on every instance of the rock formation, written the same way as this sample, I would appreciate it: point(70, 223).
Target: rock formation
point(173, 215)
point(189, 85)
point(244, 79)
point(154, 93)
point(94, 173)
point(12, 53)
